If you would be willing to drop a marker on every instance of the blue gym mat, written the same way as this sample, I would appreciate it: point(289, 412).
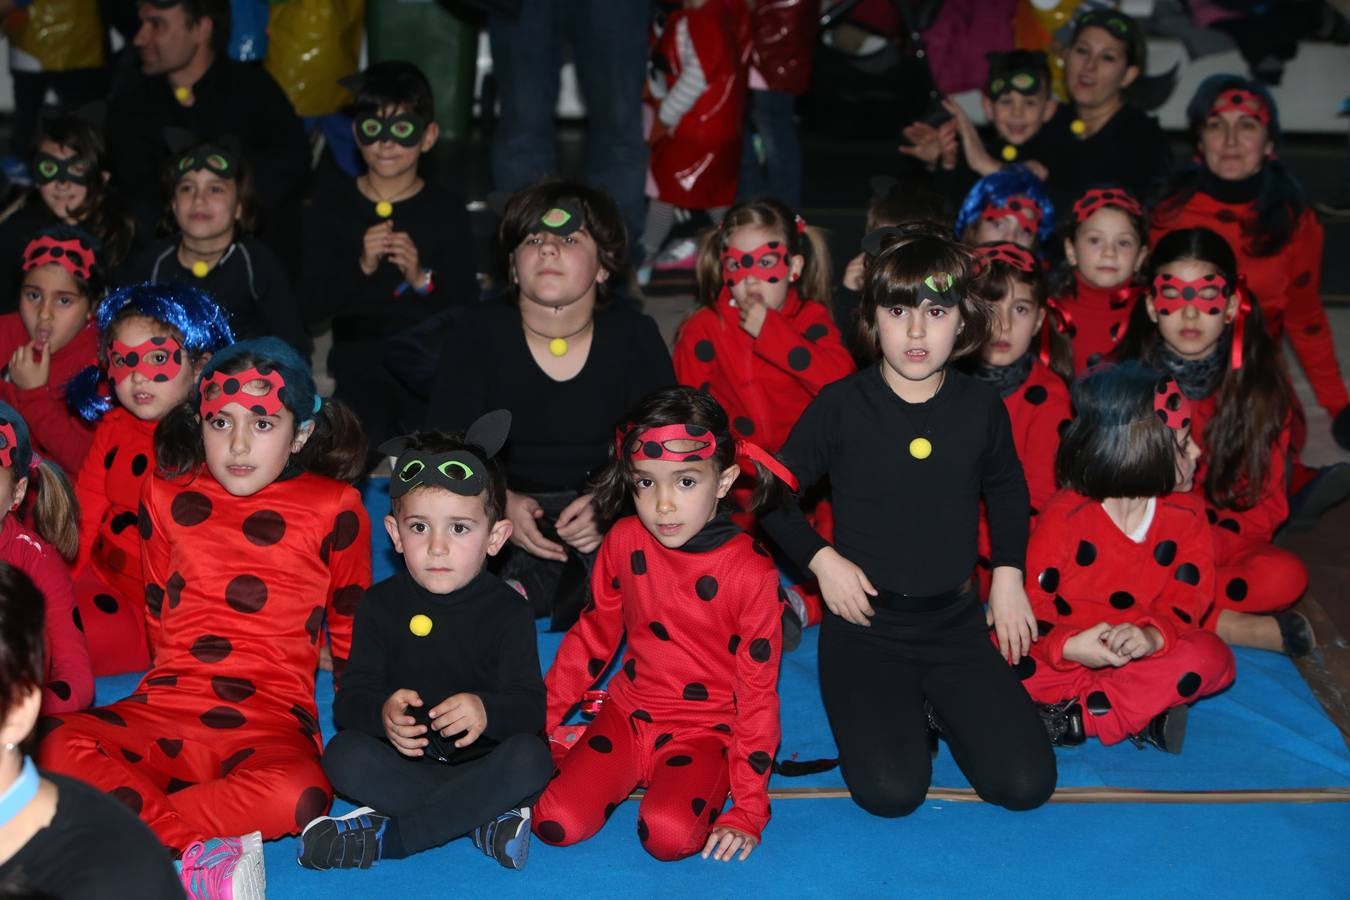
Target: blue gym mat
point(1267, 731)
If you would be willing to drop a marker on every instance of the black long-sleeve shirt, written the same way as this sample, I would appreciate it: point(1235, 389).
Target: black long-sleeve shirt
point(482, 641)
point(1130, 150)
point(561, 431)
point(248, 282)
point(910, 524)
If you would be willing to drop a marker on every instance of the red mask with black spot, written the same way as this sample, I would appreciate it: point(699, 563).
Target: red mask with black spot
point(767, 262)
point(1026, 211)
point(231, 390)
point(159, 359)
point(1171, 294)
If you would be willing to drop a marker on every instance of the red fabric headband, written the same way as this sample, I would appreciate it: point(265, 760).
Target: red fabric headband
point(1243, 101)
point(232, 391)
point(72, 254)
point(1026, 211)
point(1097, 198)
point(651, 444)
point(1015, 255)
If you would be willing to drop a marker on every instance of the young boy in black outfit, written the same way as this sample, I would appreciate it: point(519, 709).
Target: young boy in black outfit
point(441, 703)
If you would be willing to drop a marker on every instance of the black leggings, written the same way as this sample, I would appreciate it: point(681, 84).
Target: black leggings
point(874, 681)
point(433, 802)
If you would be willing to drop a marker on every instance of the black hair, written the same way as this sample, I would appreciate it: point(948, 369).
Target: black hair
point(494, 491)
point(390, 84)
point(898, 201)
point(22, 633)
point(218, 11)
point(995, 280)
point(1116, 446)
point(599, 214)
point(242, 176)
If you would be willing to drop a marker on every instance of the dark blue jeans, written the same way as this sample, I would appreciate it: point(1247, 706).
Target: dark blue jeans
point(770, 115)
point(609, 44)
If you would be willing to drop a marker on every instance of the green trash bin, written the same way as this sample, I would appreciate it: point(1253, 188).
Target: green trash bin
point(442, 45)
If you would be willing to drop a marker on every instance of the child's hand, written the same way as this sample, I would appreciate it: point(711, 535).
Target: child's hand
point(460, 712)
point(922, 142)
point(403, 732)
point(30, 366)
point(723, 843)
point(577, 524)
point(853, 272)
point(402, 252)
point(1088, 648)
point(753, 312)
point(1010, 614)
point(1038, 169)
point(374, 245)
point(972, 148)
point(844, 586)
point(523, 511)
point(1133, 642)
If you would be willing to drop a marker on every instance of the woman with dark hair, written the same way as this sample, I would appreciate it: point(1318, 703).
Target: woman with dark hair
point(568, 363)
point(1241, 190)
point(58, 836)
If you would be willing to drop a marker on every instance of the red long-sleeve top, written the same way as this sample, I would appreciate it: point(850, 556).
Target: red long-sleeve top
point(1099, 317)
point(120, 458)
point(762, 382)
point(704, 641)
point(1287, 284)
point(70, 676)
point(1082, 569)
point(1272, 505)
point(57, 433)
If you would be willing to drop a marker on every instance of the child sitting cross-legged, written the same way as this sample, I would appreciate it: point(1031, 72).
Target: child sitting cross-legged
point(441, 701)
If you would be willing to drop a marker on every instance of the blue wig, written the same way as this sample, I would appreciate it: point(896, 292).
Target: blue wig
point(22, 456)
point(204, 327)
point(268, 354)
point(997, 188)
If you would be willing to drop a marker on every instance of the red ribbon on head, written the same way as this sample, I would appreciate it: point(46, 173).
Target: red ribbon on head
point(1099, 198)
point(651, 444)
point(232, 391)
point(1240, 322)
point(72, 254)
point(1244, 101)
point(800, 222)
point(1015, 255)
point(1171, 404)
point(1026, 211)
point(11, 443)
point(762, 457)
point(1189, 292)
point(1058, 318)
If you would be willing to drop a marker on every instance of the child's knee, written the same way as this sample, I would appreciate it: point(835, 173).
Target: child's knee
point(890, 795)
point(561, 824)
point(668, 837)
point(1207, 660)
point(1022, 789)
point(525, 760)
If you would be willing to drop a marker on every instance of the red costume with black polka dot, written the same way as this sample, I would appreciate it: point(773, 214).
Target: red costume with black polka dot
point(1039, 410)
point(1082, 570)
point(109, 578)
point(221, 736)
point(692, 713)
point(1287, 284)
point(1096, 319)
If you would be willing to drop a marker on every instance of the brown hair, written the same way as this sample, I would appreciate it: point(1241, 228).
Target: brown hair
point(51, 503)
point(599, 217)
point(996, 279)
point(22, 631)
point(768, 214)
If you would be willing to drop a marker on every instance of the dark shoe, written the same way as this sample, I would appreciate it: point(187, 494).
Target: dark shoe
point(506, 838)
point(351, 841)
point(1296, 632)
point(1167, 731)
point(1063, 722)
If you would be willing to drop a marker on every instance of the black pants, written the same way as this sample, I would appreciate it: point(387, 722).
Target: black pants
point(433, 802)
point(874, 681)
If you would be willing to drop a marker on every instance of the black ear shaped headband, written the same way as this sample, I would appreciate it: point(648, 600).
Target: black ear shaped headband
point(459, 471)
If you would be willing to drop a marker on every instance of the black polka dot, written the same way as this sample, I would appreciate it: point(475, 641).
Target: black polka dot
point(104, 714)
point(1036, 395)
point(1062, 606)
point(679, 760)
point(642, 830)
point(695, 691)
point(706, 587)
point(129, 798)
point(743, 425)
point(704, 351)
point(347, 598)
point(106, 603)
point(109, 458)
point(162, 680)
point(609, 810)
point(734, 643)
point(1188, 684)
point(1188, 573)
point(139, 463)
point(143, 525)
point(1212, 516)
point(614, 582)
point(264, 528)
point(228, 764)
point(1230, 525)
point(1312, 329)
point(641, 715)
point(46, 725)
point(1121, 600)
point(246, 593)
point(1043, 627)
point(551, 831)
point(1098, 703)
point(722, 727)
point(177, 784)
point(815, 332)
point(122, 521)
point(1164, 552)
point(232, 690)
point(312, 804)
point(309, 726)
point(652, 449)
point(713, 813)
point(1181, 614)
point(659, 630)
point(761, 650)
point(211, 648)
point(346, 529)
point(630, 668)
point(600, 744)
point(1025, 668)
point(314, 624)
point(222, 717)
point(1303, 279)
point(662, 740)
point(60, 689)
point(698, 804)
point(131, 757)
point(1236, 589)
point(638, 562)
point(190, 508)
point(1048, 580)
point(1086, 555)
point(173, 589)
point(760, 761)
point(799, 359)
point(595, 666)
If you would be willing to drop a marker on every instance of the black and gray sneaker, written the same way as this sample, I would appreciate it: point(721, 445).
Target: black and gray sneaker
point(505, 838)
point(353, 841)
point(1063, 722)
point(1167, 730)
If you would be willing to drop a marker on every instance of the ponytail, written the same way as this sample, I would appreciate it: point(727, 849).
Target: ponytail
point(770, 214)
point(56, 515)
point(83, 397)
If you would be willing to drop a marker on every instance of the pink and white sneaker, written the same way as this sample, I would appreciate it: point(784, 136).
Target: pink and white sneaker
point(225, 869)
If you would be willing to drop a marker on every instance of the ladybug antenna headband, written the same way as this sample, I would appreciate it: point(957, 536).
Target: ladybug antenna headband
point(460, 471)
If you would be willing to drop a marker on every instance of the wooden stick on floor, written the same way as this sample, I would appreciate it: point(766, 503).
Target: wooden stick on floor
point(1099, 795)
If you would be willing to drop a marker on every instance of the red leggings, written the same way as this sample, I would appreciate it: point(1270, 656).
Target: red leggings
point(112, 611)
point(1118, 703)
point(185, 780)
point(1253, 576)
point(684, 770)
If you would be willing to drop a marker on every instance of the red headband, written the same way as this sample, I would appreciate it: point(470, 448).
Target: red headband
point(1015, 255)
point(232, 391)
point(1026, 211)
point(1058, 319)
point(1097, 198)
point(1244, 101)
point(11, 443)
point(1171, 405)
point(738, 265)
point(136, 359)
point(1189, 292)
point(651, 444)
point(72, 254)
